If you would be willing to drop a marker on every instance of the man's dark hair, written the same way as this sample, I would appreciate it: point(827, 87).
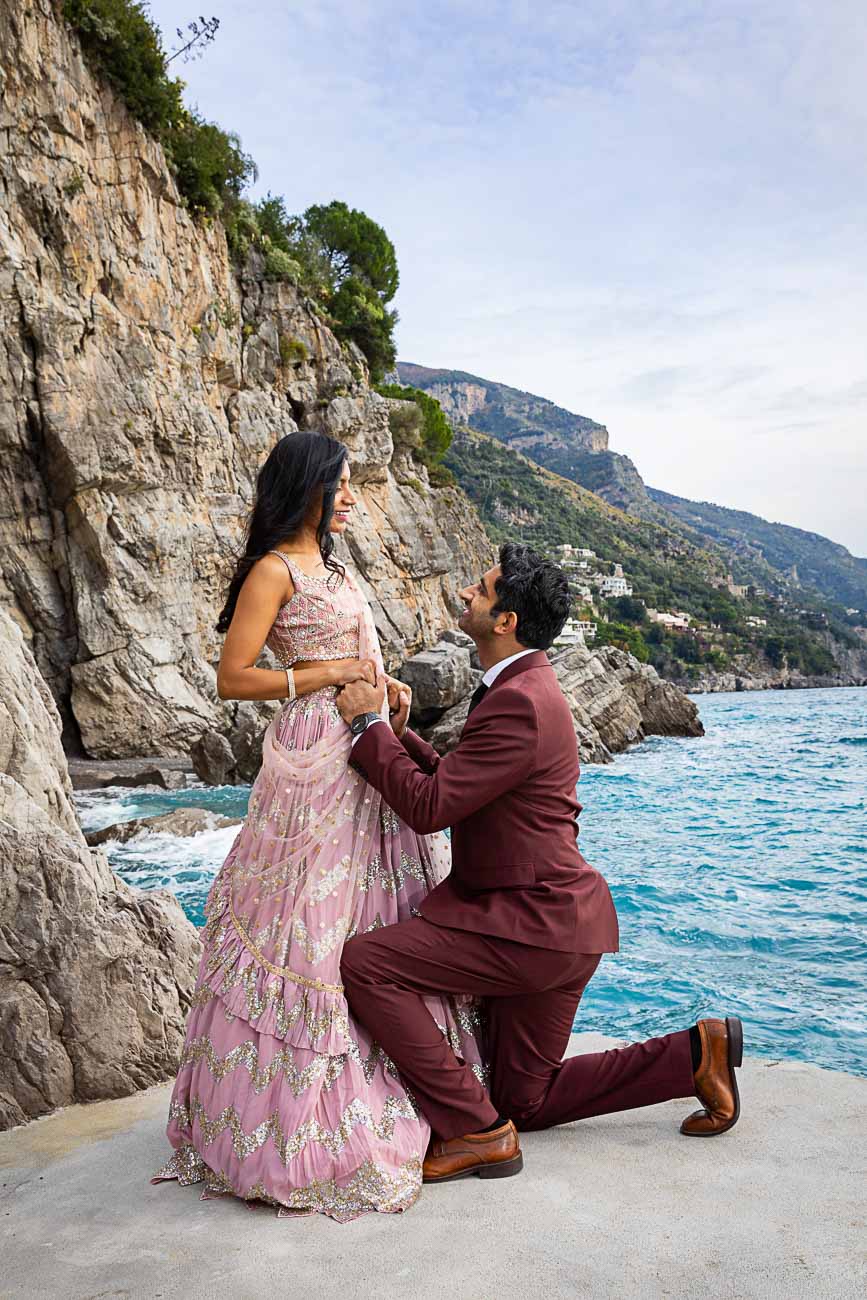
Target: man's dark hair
point(535, 589)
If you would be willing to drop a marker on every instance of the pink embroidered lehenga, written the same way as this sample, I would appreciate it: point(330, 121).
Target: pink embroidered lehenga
point(281, 1097)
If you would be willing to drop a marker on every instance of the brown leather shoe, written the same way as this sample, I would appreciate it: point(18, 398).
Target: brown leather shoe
point(722, 1051)
point(496, 1154)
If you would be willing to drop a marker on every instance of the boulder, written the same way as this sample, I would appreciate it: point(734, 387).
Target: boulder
point(95, 774)
point(245, 738)
point(617, 701)
point(213, 760)
point(233, 756)
point(165, 778)
point(95, 976)
point(30, 750)
point(439, 677)
point(183, 821)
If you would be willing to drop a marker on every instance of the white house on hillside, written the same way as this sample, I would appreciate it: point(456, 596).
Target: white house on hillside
point(576, 631)
point(675, 618)
point(615, 586)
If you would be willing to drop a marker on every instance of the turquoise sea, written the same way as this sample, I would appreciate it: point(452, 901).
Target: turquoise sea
point(738, 863)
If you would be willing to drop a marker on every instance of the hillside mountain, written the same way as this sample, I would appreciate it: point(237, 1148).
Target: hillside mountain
point(778, 557)
point(526, 422)
point(571, 445)
point(805, 558)
point(755, 640)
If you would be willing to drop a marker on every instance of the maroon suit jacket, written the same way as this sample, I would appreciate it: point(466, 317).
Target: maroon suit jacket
point(508, 793)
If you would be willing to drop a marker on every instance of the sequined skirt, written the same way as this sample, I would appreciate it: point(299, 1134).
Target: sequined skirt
point(286, 1114)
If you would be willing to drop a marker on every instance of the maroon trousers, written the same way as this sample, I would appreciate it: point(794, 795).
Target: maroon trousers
point(532, 995)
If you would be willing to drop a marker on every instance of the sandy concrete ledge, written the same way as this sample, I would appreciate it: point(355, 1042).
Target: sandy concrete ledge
point(610, 1208)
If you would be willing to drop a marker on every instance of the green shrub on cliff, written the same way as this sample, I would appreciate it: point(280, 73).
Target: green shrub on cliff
point(209, 165)
point(436, 432)
point(337, 255)
point(121, 42)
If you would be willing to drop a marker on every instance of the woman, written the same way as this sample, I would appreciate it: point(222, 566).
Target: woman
point(281, 1097)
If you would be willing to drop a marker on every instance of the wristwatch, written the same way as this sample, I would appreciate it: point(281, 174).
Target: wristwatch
point(361, 722)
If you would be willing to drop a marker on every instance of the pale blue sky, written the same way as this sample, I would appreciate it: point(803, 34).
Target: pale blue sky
point(650, 211)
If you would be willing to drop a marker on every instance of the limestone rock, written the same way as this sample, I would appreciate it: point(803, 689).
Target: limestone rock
point(614, 699)
point(95, 977)
point(245, 737)
point(166, 778)
point(439, 677)
point(144, 384)
point(445, 733)
point(213, 760)
point(30, 749)
point(183, 821)
point(95, 774)
point(234, 756)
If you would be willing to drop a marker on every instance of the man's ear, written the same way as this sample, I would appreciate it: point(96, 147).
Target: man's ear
point(509, 623)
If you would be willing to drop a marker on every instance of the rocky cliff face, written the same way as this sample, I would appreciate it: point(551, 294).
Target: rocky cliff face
point(615, 700)
point(95, 977)
point(144, 384)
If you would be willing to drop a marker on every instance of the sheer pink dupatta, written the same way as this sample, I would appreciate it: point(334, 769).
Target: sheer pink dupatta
point(281, 909)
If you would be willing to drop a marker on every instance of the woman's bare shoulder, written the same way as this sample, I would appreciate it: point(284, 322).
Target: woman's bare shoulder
point(270, 573)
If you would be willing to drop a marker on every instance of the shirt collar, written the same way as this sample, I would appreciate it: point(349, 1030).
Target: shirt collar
point(493, 673)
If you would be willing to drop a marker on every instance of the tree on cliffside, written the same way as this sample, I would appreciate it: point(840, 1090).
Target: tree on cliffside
point(364, 275)
point(355, 246)
point(343, 259)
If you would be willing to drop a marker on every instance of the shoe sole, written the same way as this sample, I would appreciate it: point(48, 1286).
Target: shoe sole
point(502, 1169)
point(735, 1034)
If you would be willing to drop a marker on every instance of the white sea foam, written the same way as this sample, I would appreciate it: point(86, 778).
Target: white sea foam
point(205, 849)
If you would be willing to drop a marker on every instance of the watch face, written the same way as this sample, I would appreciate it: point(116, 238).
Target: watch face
point(359, 724)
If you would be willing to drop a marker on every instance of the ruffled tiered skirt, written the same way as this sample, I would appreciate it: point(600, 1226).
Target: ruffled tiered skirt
point(281, 1096)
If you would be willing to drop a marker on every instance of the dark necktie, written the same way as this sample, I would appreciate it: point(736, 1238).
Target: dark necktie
point(477, 696)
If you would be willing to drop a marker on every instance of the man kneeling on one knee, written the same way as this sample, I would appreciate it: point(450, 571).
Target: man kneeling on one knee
point(523, 920)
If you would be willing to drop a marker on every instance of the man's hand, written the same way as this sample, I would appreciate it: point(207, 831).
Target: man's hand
point(399, 704)
point(360, 697)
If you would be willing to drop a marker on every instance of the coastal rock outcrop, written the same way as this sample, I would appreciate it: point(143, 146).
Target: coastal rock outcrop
point(615, 701)
point(750, 674)
point(439, 677)
point(31, 754)
point(144, 384)
point(182, 821)
point(95, 977)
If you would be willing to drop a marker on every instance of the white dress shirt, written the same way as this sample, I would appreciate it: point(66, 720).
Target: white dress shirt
point(488, 680)
point(493, 673)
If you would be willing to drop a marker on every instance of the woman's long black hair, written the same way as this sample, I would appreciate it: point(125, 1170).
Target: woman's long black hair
point(299, 466)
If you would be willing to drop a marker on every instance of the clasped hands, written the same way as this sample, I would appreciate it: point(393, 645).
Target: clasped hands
point(367, 693)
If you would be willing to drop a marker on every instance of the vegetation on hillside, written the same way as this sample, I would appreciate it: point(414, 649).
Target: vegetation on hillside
point(340, 257)
point(807, 558)
point(436, 432)
point(519, 499)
